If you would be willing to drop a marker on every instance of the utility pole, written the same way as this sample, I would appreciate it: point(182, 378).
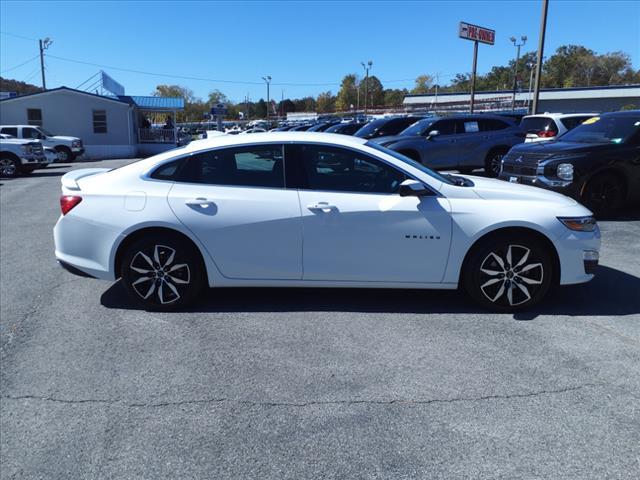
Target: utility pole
point(515, 75)
point(540, 56)
point(44, 44)
point(366, 67)
point(267, 80)
point(531, 66)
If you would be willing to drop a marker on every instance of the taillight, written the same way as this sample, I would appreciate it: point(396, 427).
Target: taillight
point(546, 134)
point(67, 202)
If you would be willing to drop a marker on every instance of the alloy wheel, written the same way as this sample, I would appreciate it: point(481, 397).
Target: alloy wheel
point(63, 156)
point(495, 164)
point(8, 167)
point(603, 194)
point(157, 278)
point(511, 277)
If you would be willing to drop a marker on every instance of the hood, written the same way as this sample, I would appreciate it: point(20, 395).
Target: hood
point(553, 147)
point(62, 137)
point(494, 189)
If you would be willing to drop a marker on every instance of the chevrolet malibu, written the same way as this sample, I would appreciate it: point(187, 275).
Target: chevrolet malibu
point(299, 209)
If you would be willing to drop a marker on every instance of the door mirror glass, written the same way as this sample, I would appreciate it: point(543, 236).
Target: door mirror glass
point(413, 188)
point(433, 133)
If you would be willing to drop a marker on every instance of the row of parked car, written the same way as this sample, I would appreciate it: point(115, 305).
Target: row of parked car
point(590, 157)
point(25, 148)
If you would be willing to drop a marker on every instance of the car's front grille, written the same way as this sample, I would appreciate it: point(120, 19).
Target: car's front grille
point(525, 158)
point(37, 149)
point(515, 169)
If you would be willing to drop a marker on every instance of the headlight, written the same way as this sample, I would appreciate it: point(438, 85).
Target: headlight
point(76, 143)
point(565, 172)
point(25, 148)
point(579, 224)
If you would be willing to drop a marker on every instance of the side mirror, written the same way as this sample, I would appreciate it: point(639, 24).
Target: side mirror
point(413, 188)
point(433, 133)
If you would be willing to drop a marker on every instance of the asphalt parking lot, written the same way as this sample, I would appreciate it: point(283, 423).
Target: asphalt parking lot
point(300, 383)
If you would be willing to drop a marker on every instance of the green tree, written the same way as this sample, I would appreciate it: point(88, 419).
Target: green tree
point(261, 109)
point(374, 91)
point(393, 97)
point(216, 96)
point(423, 85)
point(194, 108)
point(286, 106)
point(326, 102)
point(348, 93)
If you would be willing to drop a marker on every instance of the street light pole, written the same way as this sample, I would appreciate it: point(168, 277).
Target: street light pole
point(515, 74)
point(540, 56)
point(366, 67)
point(531, 65)
point(44, 44)
point(267, 80)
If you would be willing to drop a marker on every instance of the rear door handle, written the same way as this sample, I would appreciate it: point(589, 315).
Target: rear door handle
point(198, 202)
point(321, 206)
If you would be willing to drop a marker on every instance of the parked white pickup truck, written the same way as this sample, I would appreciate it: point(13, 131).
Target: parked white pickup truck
point(20, 156)
point(68, 148)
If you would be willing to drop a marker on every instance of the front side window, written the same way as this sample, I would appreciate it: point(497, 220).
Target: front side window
point(491, 124)
point(253, 166)
point(343, 170)
point(34, 116)
point(99, 121)
point(31, 133)
point(444, 127)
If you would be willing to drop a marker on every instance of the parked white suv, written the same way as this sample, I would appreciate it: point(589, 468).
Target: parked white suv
point(549, 126)
point(20, 156)
point(68, 148)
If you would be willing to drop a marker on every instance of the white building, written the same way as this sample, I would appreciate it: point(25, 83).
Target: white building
point(566, 100)
point(109, 126)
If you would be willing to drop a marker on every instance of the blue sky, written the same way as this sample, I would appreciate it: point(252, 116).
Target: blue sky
point(306, 47)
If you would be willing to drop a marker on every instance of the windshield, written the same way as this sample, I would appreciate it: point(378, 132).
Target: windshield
point(47, 133)
point(606, 129)
point(370, 128)
point(418, 128)
point(409, 161)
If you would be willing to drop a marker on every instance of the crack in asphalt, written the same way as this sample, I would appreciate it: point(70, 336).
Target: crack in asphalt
point(117, 401)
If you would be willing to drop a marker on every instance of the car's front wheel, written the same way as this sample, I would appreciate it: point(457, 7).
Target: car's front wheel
point(9, 167)
point(493, 162)
point(508, 272)
point(162, 272)
point(65, 155)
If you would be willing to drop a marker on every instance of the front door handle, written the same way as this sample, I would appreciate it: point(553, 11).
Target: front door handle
point(198, 202)
point(321, 206)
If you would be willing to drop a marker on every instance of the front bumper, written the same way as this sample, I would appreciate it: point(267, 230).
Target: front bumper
point(77, 150)
point(570, 189)
point(33, 160)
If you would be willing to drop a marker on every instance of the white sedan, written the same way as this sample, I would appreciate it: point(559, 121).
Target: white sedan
point(299, 209)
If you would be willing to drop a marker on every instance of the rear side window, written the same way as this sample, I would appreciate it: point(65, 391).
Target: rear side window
point(343, 170)
point(538, 124)
point(470, 126)
point(254, 166)
point(572, 122)
point(13, 131)
point(490, 124)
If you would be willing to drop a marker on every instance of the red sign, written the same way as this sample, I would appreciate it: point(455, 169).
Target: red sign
point(476, 33)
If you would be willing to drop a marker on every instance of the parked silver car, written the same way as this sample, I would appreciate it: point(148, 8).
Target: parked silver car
point(460, 142)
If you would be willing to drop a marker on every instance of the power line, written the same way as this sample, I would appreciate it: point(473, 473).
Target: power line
point(18, 66)
point(19, 36)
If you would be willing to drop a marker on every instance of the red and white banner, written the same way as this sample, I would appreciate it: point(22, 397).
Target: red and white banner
point(476, 33)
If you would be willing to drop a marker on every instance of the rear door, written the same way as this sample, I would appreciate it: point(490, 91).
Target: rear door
point(235, 201)
point(356, 226)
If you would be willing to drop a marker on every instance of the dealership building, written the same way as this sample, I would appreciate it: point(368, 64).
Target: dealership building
point(564, 100)
point(110, 125)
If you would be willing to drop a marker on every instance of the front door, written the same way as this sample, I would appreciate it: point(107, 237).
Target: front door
point(235, 202)
point(357, 228)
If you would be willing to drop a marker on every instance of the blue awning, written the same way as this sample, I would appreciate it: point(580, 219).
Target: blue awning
point(155, 103)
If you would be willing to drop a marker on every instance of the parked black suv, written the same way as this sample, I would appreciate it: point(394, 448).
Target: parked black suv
point(597, 163)
point(460, 142)
point(385, 126)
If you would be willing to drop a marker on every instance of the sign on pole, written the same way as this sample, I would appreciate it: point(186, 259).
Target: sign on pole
point(469, 31)
point(476, 34)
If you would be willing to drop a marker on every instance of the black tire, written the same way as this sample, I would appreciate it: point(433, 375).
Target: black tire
point(507, 286)
point(493, 162)
point(604, 193)
point(161, 291)
point(65, 155)
point(9, 167)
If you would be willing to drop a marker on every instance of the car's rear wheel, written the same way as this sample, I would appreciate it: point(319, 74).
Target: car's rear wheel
point(162, 272)
point(9, 167)
point(604, 193)
point(493, 162)
point(508, 272)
